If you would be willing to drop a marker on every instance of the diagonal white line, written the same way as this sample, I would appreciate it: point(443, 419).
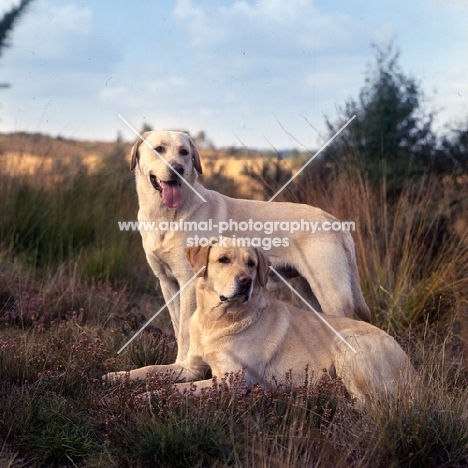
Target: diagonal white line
point(318, 314)
point(157, 154)
point(160, 310)
point(312, 158)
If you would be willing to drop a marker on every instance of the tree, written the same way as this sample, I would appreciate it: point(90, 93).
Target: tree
point(455, 147)
point(6, 25)
point(391, 135)
point(146, 127)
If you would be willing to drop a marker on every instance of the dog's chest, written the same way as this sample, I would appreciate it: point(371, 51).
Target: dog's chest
point(165, 258)
point(163, 241)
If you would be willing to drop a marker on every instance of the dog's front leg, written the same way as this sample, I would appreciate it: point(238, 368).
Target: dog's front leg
point(184, 371)
point(188, 304)
point(169, 289)
point(181, 309)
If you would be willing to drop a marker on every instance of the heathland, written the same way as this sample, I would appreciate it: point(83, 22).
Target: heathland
point(74, 288)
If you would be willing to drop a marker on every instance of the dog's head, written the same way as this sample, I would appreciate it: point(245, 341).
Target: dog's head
point(163, 160)
point(233, 273)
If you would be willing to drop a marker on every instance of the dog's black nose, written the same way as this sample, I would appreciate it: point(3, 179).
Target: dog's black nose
point(178, 168)
point(245, 280)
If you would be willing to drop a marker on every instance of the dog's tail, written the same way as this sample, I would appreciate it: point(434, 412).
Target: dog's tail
point(360, 306)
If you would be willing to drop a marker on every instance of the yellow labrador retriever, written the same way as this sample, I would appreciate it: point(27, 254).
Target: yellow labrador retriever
point(236, 326)
point(166, 166)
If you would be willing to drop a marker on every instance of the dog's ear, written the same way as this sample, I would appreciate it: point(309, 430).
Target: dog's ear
point(262, 267)
point(134, 154)
point(195, 157)
point(197, 256)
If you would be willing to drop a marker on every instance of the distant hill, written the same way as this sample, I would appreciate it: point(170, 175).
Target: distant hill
point(51, 159)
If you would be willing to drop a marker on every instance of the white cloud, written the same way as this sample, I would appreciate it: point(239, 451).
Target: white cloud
point(60, 39)
point(270, 57)
point(264, 52)
point(267, 27)
point(57, 65)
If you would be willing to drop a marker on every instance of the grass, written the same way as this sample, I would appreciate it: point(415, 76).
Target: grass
point(73, 289)
point(56, 412)
point(412, 262)
point(51, 429)
point(70, 222)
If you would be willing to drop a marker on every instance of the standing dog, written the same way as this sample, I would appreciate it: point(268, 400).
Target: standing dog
point(236, 326)
point(325, 259)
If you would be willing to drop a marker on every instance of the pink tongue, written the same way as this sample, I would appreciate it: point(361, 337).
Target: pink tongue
point(171, 194)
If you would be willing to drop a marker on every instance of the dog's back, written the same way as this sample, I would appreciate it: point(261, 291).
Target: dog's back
point(368, 360)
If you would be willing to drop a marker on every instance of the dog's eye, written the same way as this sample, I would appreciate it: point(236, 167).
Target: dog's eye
point(183, 152)
point(224, 260)
point(160, 149)
point(250, 263)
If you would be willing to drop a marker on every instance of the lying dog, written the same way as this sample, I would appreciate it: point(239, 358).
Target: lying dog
point(167, 170)
point(236, 326)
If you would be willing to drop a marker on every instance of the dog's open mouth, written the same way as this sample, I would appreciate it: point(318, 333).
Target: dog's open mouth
point(169, 190)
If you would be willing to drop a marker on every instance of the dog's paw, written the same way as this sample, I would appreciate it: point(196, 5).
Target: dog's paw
point(114, 377)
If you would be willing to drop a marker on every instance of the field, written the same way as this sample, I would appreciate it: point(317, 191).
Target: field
point(74, 289)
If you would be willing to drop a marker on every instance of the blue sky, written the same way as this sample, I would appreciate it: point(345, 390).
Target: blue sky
point(245, 72)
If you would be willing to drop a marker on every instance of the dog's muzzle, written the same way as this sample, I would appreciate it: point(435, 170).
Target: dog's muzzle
point(243, 289)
